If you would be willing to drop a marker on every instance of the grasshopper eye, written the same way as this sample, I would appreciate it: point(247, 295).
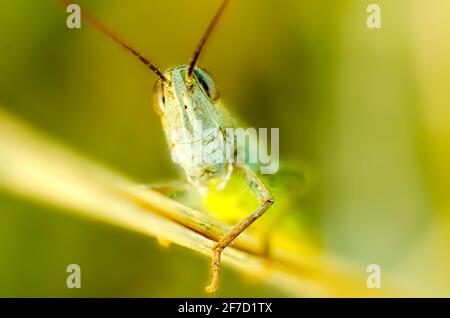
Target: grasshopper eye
point(207, 84)
point(159, 101)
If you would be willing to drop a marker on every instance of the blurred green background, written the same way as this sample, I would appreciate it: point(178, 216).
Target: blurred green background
point(366, 111)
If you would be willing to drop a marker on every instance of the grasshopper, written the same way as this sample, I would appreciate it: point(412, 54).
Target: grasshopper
point(187, 100)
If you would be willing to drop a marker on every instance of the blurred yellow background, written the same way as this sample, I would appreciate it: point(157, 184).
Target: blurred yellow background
point(366, 111)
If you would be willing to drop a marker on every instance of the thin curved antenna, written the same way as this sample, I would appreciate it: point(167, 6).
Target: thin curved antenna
point(99, 26)
point(204, 38)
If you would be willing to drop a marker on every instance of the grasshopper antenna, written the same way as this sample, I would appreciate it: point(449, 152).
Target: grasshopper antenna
point(99, 26)
point(204, 39)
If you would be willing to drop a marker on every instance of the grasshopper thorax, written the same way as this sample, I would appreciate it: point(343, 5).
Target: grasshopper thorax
point(194, 122)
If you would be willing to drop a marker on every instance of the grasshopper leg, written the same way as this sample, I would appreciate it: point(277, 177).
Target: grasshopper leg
point(170, 188)
point(266, 200)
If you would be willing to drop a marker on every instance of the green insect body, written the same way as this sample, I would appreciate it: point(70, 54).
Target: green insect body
point(195, 124)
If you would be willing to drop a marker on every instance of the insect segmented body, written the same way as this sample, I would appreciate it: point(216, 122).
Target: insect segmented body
point(194, 121)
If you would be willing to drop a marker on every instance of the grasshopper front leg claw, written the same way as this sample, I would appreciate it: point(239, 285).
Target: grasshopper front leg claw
point(215, 267)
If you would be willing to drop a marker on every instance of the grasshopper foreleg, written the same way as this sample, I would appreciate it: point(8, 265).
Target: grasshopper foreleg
point(169, 189)
point(266, 200)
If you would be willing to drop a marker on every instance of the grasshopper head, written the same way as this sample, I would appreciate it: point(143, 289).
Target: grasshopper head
point(193, 120)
